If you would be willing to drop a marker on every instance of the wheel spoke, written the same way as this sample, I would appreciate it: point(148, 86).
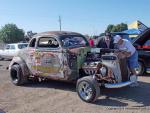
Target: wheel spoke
point(85, 90)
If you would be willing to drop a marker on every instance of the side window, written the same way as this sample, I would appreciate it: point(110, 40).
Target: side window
point(21, 46)
point(48, 42)
point(32, 42)
point(7, 47)
point(147, 43)
point(12, 47)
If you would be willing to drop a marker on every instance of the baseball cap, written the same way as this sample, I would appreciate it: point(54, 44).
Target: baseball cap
point(117, 38)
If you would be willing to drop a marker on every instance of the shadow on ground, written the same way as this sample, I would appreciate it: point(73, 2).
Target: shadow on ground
point(113, 97)
point(52, 84)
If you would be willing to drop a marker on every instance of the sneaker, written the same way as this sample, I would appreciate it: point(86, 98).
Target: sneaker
point(133, 78)
point(135, 84)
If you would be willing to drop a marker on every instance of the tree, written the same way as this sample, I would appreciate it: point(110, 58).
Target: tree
point(10, 33)
point(109, 28)
point(116, 28)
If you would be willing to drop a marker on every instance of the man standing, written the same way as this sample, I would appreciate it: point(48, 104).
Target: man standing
point(130, 52)
point(106, 42)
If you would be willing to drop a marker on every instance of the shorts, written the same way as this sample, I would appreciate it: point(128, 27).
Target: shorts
point(133, 61)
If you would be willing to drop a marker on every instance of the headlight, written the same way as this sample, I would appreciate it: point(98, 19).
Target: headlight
point(92, 63)
point(103, 71)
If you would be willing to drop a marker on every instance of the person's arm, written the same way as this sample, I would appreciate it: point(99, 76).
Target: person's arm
point(129, 48)
point(126, 53)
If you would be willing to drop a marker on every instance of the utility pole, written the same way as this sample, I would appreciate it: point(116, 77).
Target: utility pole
point(59, 23)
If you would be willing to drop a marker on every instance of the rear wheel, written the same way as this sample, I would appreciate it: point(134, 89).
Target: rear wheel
point(140, 70)
point(17, 76)
point(88, 89)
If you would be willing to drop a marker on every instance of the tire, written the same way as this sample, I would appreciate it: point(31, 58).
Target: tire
point(16, 75)
point(88, 89)
point(141, 69)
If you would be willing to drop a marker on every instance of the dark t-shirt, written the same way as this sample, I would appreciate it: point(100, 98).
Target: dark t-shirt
point(102, 44)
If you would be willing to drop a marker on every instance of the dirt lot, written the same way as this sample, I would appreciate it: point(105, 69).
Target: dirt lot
point(59, 97)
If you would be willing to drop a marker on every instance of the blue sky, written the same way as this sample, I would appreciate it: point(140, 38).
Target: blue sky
point(84, 16)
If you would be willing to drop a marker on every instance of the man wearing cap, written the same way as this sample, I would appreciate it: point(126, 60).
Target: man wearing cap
point(130, 52)
point(106, 42)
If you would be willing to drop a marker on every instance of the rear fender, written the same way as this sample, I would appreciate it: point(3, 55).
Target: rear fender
point(22, 64)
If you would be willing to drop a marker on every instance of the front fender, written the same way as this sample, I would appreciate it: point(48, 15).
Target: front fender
point(21, 63)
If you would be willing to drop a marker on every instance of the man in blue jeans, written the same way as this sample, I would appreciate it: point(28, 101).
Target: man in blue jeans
point(130, 52)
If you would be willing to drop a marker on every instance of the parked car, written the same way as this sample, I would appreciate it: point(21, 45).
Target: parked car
point(11, 50)
point(67, 56)
point(142, 44)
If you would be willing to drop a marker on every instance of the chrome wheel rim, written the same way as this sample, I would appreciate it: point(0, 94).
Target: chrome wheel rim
point(85, 91)
point(139, 69)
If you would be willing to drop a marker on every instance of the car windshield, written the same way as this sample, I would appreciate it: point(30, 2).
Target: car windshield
point(73, 41)
point(21, 46)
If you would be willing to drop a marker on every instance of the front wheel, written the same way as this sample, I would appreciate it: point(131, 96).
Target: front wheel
point(88, 89)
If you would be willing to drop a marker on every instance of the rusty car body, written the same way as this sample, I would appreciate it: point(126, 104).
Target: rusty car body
point(67, 56)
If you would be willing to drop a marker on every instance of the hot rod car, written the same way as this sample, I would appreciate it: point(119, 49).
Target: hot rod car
point(67, 56)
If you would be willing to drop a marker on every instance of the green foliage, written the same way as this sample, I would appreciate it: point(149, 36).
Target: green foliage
point(116, 28)
point(102, 34)
point(110, 27)
point(10, 33)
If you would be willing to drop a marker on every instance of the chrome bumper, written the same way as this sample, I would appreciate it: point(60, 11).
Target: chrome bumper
point(118, 85)
point(132, 80)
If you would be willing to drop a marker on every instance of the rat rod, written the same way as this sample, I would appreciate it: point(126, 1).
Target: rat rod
point(67, 56)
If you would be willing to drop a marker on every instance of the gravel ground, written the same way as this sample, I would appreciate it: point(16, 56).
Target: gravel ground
point(60, 97)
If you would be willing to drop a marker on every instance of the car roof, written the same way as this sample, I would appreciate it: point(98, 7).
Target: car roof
point(56, 33)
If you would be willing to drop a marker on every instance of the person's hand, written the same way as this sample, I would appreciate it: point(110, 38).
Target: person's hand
point(127, 54)
point(120, 54)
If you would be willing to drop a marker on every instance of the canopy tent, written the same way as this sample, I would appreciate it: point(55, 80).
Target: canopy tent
point(132, 31)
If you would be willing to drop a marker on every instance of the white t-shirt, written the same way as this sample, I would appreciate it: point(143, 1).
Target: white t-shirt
point(128, 46)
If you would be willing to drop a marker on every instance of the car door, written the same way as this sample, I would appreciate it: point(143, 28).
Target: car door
point(49, 58)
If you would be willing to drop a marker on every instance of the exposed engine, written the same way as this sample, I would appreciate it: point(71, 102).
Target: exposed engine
point(106, 66)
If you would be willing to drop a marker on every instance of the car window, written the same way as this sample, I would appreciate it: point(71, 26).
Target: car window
point(32, 42)
point(48, 42)
point(7, 47)
point(74, 41)
point(147, 43)
point(12, 47)
point(21, 46)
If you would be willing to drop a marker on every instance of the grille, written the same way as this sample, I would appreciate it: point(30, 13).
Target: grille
point(90, 71)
